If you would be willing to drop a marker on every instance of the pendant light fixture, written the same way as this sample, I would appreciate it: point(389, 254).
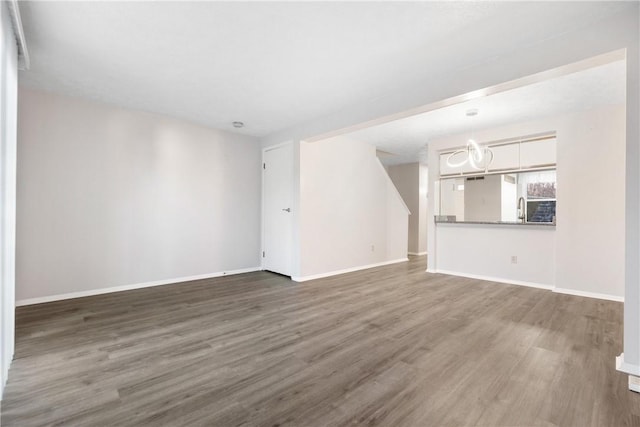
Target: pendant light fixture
point(478, 157)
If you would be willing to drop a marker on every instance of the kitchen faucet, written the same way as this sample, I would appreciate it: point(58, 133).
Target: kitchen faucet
point(521, 213)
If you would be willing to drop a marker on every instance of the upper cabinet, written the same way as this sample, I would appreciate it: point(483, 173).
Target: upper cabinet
point(522, 154)
point(466, 168)
point(505, 157)
point(445, 169)
point(538, 153)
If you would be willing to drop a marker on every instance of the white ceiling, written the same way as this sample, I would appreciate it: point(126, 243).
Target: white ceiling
point(404, 140)
point(273, 64)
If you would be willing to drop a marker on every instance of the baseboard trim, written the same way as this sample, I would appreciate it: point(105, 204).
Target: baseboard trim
point(416, 253)
point(92, 292)
point(493, 279)
point(346, 270)
point(589, 294)
point(532, 285)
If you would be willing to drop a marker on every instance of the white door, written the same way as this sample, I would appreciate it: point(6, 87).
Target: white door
point(278, 209)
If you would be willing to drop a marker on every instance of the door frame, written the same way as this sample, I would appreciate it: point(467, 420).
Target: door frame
point(262, 204)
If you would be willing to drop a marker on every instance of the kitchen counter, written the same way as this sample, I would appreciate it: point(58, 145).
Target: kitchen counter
point(535, 224)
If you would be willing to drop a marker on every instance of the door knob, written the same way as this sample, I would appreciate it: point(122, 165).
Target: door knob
point(287, 209)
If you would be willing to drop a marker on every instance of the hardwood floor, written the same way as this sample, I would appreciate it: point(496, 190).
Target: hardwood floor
point(391, 346)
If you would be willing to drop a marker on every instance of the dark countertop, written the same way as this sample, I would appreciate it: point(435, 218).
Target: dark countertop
point(535, 224)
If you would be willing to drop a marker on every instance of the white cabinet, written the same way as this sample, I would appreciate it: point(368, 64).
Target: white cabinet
point(466, 168)
point(538, 153)
point(505, 157)
point(528, 154)
point(445, 169)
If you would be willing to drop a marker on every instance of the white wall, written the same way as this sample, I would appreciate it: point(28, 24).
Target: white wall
point(406, 179)
point(8, 119)
point(110, 197)
point(591, 183)
point(422, 208)
point(590, 232)
point(411, 181)
point(451, 199)
point(351, 215)
point(485, 251)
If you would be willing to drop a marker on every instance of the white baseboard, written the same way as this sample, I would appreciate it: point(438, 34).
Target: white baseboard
point(533, 285)
point(493, 279)
point(346, 270)
point(417, 253)
point(80, 294)
point(589, 294)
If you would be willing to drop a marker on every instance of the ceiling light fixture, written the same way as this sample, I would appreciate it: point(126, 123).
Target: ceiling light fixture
point(237, 125)
point(478, 157)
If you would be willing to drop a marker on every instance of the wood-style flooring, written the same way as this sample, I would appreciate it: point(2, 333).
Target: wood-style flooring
point(391, 346)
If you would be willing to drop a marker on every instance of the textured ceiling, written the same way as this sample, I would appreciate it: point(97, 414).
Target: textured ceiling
point(406, 139)
point(273, 65)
